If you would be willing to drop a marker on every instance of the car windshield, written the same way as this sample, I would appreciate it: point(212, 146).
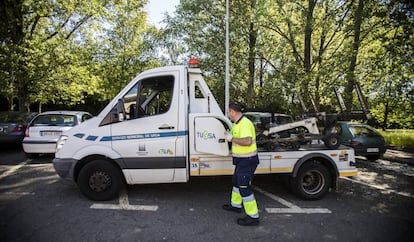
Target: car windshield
point(265, 118)
point(54, 120)
point(257, 117)
point(363, 131)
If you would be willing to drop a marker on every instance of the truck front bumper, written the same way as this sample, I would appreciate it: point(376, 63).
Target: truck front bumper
point(64, 167)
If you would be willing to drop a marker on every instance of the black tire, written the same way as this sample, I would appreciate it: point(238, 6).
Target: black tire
point(373, 157)
point(271, 146)
point(32, 155)
point(100, 180)
point(312, 181)
point(295, 145)
point(332, 141)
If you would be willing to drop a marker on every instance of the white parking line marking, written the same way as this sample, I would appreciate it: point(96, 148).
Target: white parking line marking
point(299, 210)
point(124, 205)
point(129, 207)
point(276, 198)
point(14, 169)
point(405, 194)
point(291, 208)
point(19, 193)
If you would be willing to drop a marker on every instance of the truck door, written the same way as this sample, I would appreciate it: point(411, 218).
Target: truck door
point(147, 139)
point(209, 136)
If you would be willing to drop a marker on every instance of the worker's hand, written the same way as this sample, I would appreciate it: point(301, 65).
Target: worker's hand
point(229, 137)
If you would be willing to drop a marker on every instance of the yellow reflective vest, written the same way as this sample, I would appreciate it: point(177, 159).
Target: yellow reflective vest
point(241, 129)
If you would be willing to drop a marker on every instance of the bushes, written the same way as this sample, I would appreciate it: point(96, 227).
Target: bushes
point(402, 138)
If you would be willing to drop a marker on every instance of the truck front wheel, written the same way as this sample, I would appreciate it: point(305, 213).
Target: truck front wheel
point(100, 180)
point(312, 181)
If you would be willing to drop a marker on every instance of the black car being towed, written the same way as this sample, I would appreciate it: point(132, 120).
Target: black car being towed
point(365, 140)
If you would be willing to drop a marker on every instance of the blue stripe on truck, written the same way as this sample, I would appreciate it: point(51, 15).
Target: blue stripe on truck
point(133, 136)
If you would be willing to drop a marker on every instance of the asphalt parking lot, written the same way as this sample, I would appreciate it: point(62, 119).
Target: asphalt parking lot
point(35, 205)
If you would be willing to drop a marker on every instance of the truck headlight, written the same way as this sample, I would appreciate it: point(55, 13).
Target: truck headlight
point(61, 141)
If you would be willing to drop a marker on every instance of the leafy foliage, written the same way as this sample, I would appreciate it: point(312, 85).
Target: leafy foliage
point(71, 52)
point(308, 48)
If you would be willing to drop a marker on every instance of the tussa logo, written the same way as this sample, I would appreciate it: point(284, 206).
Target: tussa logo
point(205, 135)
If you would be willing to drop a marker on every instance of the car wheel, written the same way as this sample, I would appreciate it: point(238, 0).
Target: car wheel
point(332, 141)
point(100, 180)
point(32, 155)
point(312, 181)
point(295, 145)
point(373, 157)
point(271, 146)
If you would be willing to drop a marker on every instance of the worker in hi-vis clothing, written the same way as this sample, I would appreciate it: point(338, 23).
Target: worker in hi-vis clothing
point(243, 138)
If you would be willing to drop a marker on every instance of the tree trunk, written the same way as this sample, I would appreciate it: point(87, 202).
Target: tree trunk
point(308, 35)
point(386, 112)
point(387, 107)
point(308, 48)
point(252, 54)
point(350, 75)
point(10, 101)
point(14, 35)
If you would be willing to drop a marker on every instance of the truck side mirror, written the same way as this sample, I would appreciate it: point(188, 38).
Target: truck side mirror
point(120, 109)
point(133, 111)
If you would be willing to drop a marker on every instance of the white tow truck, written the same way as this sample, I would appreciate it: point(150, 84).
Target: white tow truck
point(166, 126)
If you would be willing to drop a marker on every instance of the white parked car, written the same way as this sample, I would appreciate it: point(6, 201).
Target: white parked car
point(44, 130)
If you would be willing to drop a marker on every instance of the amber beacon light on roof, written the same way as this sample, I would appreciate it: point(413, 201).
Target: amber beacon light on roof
point(193, 62)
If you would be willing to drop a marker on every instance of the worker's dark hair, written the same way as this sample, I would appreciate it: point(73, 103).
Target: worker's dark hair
point(236, 106)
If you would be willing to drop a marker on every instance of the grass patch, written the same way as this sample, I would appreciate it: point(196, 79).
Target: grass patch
point(402, 138)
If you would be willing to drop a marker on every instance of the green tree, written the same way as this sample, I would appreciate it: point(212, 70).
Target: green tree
point(65, 51)
point(198, 29)
point(35, 35)
point(127, 46)
point(389, 65)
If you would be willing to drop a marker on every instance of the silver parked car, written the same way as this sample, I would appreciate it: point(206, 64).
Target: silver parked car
point(44, 130)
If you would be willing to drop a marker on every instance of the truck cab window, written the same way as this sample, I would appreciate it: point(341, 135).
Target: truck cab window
point(130, 100)
point(198, 93)
point(149, 97)
point(155, 96)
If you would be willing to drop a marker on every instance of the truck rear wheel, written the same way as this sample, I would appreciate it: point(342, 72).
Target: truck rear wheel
point(100, 180)
point(312, 181)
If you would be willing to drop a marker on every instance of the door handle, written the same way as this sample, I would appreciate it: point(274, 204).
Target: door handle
point(166, 127)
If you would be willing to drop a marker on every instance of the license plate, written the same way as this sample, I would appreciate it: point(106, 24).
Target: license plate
point(373, 150)
point(50, 133)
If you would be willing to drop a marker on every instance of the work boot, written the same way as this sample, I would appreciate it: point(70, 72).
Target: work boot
point(229, 207)
point(248, 221)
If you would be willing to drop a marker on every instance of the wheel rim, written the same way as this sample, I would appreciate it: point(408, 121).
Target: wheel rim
point(313, 182)
point(334, 141)
point(99, 181)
